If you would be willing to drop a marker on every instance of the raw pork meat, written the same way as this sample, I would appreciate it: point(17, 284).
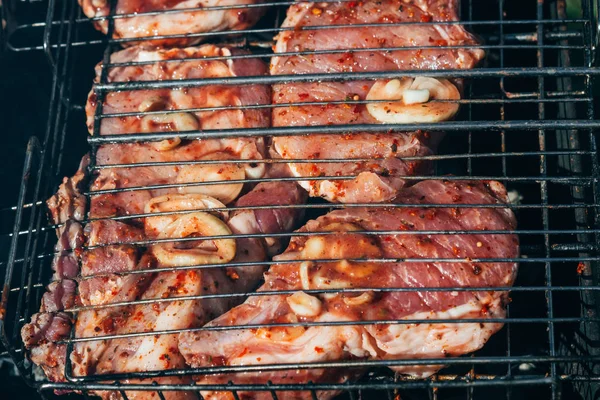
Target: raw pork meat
point(404, 28)
point(399, 239)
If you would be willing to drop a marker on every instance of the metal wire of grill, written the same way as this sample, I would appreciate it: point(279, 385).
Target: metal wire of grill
point(541, 66)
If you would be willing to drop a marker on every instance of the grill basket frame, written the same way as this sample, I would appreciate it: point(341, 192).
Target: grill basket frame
point(567, 158)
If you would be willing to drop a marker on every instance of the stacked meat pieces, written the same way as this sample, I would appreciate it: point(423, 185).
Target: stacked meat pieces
point(125, 244)
point(394, 44)
point(171, 22)
point(330, 260)
point(356, 248)
point(161, 244)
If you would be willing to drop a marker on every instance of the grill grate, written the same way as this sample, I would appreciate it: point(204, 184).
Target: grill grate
point(527, 120)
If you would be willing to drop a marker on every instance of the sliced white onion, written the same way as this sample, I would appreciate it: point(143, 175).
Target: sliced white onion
point(176, 121)
point(226, 192)
point(304, 277)
point(410, 100)
point(364, 298)
point(314, 248)
point(418, 96)
point(176, 202)
point(304, 305)
point(201, 224)
point(256, 172)
point(283, 333)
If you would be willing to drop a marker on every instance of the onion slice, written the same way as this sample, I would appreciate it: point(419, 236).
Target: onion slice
point(412, 100)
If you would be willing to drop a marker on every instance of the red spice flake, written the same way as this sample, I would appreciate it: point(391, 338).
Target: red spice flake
point(108, 324)
point(319, 350)
point(426, 18)
point(231, 274)
point(352, 4)
point(303, 96)
point(580, 268)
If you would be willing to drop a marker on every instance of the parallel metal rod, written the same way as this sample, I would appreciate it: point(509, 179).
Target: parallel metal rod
point(438, 157)
point(477, 126)
point(533, 179)
point(343, 51)
point(478, 233)
point(336, 364)
point(544, 198)
point(328, 206)
point(500, 101)
point(557, 206)
point(518, 37)
point(274, 31)
point(297, 387)
point(522, 260)
point(489, 289)
point(341, 76)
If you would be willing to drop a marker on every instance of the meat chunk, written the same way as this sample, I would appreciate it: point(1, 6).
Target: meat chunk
point(395, 44)
point(191, 19)
point(157, 352)
point(202, 154)
point(129, 285)
point(51, 325)
point(346, 237)
point(41, 336)
point(179, 64)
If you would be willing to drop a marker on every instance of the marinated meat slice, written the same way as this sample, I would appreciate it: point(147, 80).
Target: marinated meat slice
point(347, 236)
point(42, 334)
point(158, 352)
point(68, 204)
point(179, 64)
point(400, 27)
point(66, 210)
point(376, 177)
point(70, 238)
point(117, 262)
point(181, 23)
point(188, 64)
point(396, 44)
point(60, 295)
